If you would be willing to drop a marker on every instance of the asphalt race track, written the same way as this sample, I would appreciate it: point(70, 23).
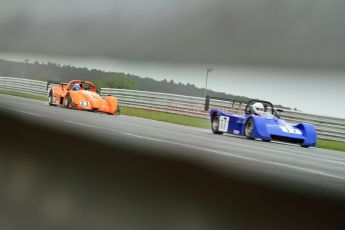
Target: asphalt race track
point(315, 177)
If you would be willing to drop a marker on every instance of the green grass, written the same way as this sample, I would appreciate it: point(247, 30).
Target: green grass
point(333, 145)
point(166, 117)
point(179, 119)
point(26, 95)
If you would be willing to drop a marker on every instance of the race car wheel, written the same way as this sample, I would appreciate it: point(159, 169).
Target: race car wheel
point(248, 130)
point(215, 124)
point(51, 98)
point(68, 102)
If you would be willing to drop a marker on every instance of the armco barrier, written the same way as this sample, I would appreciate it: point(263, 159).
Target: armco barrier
point(327, 127)
point(24, 85)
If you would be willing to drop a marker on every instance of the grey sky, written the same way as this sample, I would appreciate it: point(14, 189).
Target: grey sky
point(289, 51)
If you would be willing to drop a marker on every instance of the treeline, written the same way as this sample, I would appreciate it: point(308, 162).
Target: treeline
point(127, 81)
point(103, 79)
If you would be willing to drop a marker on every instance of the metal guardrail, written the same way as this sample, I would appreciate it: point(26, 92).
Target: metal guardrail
point(163, 102)
point(24, 85)
point(330, 128)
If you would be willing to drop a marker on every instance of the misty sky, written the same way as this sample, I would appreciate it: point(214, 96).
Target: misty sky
point(291, 52)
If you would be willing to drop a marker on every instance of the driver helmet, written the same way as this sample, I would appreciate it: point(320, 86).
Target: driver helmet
point(258, 108)
point(75, 87)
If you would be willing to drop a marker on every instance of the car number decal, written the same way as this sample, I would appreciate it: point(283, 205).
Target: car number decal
point(223, 123)
point(289, 129)
point(84, 103)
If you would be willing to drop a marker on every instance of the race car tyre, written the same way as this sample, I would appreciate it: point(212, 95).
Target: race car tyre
point(248, 130)
point(304, 146)
point(51, 98)
point(215, 124)
point(266, 140)
point(68, 102)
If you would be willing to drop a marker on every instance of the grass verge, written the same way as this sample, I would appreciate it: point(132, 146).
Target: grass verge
point(167, 117)
point(178, 119)
point(333, 145)
point(26, 95)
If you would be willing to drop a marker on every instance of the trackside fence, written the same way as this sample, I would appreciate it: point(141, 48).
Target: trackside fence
point(330, 128)
point(23, 85)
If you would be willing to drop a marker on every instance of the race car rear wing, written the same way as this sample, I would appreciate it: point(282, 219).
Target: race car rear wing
point(49, 82)
point(207, 101)
point(274, 111)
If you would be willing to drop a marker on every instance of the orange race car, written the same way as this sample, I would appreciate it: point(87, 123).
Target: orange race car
point(81, 95)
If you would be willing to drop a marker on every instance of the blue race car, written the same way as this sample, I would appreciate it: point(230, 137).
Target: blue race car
point(261, 120)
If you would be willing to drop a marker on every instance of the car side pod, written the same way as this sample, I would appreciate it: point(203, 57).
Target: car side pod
point(113, 103)
point(309, 133)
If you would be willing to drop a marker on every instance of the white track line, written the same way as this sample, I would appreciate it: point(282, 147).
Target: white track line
point(30, 113)
point(241, 157)
point(82, 124)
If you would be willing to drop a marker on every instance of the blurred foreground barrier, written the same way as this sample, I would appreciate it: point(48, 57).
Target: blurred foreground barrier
point(330, 128)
